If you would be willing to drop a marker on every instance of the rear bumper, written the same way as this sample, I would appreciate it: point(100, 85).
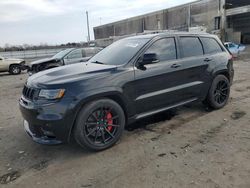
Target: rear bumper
point(47, 124)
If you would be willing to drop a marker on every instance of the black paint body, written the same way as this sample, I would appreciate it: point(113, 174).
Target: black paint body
point(140, 92)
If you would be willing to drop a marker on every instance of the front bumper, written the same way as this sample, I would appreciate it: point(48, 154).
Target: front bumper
point(47, 124)
point(41, 139)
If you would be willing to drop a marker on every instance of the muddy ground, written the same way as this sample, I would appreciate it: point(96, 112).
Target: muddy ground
point(189, 147)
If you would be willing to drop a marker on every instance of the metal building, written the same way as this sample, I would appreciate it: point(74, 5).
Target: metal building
point(230, 19)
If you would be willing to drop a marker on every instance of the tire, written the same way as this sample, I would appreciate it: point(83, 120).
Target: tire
point(99, 124)
point(15, 69)
point(219, 92)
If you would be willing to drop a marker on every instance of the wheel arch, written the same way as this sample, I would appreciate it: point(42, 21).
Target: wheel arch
point(12, 64)
point(223, 72)
point(113, 95)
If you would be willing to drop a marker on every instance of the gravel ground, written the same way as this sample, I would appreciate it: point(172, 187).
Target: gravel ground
point(188, 147)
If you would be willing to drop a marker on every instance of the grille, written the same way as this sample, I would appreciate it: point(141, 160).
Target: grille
point(30, 93)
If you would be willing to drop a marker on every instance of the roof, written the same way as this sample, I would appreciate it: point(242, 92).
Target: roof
point(149, 36)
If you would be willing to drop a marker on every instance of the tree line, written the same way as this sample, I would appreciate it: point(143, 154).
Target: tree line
point(41, 46)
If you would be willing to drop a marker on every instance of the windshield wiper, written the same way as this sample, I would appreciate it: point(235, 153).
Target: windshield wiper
point(97, 62)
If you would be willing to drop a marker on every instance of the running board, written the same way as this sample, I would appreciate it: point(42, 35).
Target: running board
point(142, 115)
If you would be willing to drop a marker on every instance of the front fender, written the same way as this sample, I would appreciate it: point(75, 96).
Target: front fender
point(113, 93)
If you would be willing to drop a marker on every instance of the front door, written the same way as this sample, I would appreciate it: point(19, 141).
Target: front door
point(73, 57)
point(155, 83)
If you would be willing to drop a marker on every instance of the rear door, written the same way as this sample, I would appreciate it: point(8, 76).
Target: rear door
point(194, 67)
point(4, 66)
point(214, 53)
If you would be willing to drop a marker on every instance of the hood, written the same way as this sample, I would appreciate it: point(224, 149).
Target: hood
point(68, 74)
point(13, 59)
point(42, 61)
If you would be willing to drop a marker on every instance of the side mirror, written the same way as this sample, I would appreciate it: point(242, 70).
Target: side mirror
point(149, 58)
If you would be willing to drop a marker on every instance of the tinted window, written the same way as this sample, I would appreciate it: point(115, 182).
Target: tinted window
point(75, 54)
point(190, 46)
point(164, 49)
point(210, 45)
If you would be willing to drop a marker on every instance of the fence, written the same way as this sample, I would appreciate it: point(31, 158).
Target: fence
point(31, 54)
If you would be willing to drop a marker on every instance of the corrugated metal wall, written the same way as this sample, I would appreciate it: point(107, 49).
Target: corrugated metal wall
point(201, 13)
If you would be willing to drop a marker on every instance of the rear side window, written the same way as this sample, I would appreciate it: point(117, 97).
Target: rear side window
point(191, 46)
point(210, 45)
point(164, 49)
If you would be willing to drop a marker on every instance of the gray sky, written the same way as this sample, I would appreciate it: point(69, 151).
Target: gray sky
point(62, 21)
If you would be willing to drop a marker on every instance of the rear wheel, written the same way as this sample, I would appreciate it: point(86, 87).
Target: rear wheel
point(99, 124)
point(15, 69)
point(219, 92)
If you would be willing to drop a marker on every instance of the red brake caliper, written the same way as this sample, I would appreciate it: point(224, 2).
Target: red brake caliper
point(110, 121)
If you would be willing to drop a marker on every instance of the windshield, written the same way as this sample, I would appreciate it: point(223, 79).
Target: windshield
point(61, 54)
point(119, 52)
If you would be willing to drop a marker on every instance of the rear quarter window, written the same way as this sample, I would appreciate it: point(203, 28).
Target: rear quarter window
point(210, 45)
point(190, 46)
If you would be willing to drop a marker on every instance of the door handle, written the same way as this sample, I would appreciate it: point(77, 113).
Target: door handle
point(175, 65)
point(207, 59)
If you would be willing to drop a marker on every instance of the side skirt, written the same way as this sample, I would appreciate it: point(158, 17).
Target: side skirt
point(143, 115)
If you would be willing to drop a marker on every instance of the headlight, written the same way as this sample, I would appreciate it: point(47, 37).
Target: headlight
point(51, 93)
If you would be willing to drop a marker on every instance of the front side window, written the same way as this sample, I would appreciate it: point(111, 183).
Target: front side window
point(75, 54)
point(190, 46)
point(61, 54)
point(210, 45)
point(164, 49)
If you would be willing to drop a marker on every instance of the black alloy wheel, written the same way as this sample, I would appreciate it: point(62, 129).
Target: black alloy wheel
point(219, 92)
point(100, 124)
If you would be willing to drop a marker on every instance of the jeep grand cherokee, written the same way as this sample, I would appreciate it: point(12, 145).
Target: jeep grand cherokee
point(131, 79)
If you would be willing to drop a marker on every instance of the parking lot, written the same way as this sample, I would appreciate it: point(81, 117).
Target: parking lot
point(191, 146)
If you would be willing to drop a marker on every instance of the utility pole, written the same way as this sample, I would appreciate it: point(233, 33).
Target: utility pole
point(88, 25)
point(223, 19)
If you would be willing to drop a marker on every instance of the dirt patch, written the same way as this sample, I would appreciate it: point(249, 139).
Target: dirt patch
point(237, 115)
point(239, 81)
point(211, 133)
point(162, 154)
point(9, 177)
point(41, 165)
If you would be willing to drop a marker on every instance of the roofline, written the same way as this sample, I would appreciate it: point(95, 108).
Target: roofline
point(151, 36)
point(147, 14)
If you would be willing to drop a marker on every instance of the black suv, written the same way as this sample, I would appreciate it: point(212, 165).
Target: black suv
point(131, 79)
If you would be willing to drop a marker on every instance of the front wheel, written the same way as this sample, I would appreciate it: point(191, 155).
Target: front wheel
point(99, 124)
point(219, 92)
point(15, 69)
